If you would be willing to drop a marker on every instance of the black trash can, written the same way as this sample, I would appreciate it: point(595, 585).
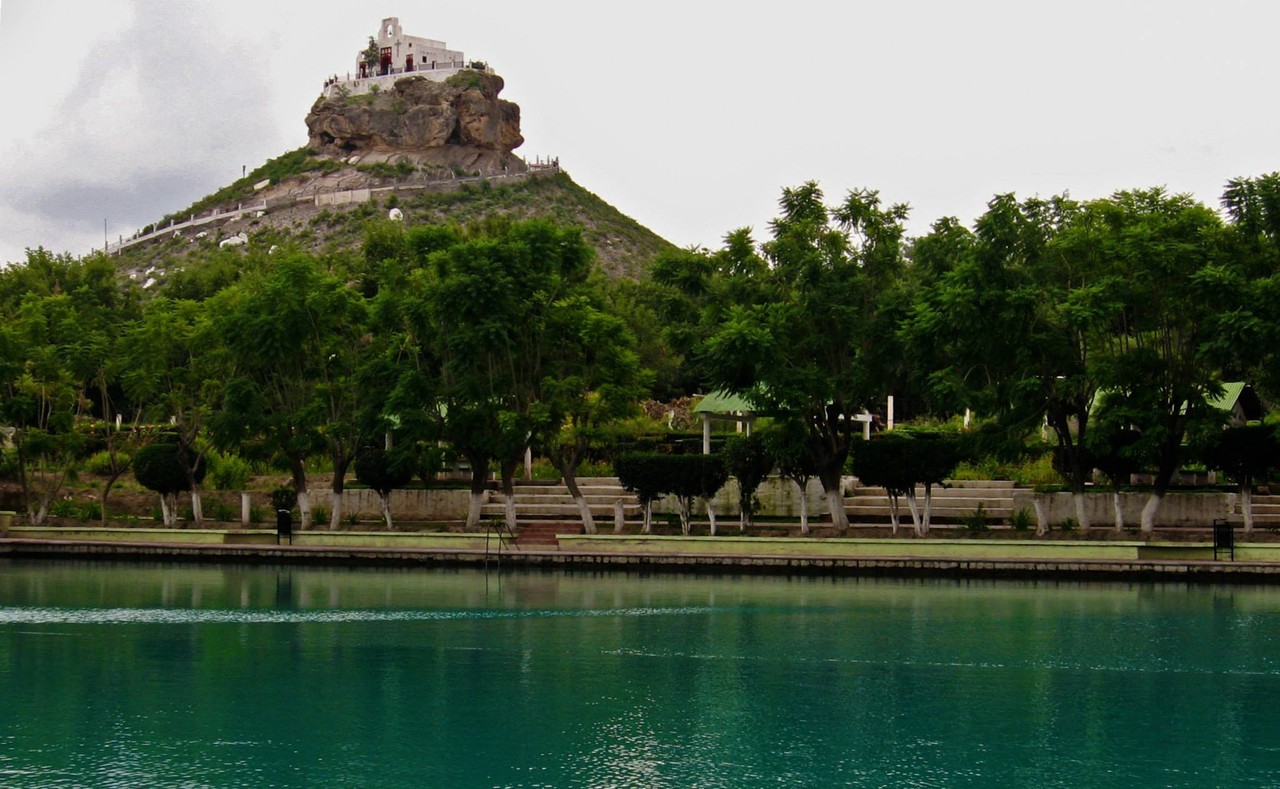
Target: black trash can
point(284, 525)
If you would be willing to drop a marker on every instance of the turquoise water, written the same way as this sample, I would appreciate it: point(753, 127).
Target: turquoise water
point(227, 677)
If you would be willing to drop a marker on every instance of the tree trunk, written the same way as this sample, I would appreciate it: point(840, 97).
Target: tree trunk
point(835, 501)
point(619, 516)
point(106, 491)
point(928, 505)
point(683, 506)
point(300, 488)
point(340, 463)
point(304, 510)
point(335, 509)
point(197, 508)
point(584, 510)
point(1246, 506)
point(915, 512)
point(647, 527)
point(1042, 520)
point(893, 514)
point(1082, 515)
point(385, 499)
point(804, 509)
point(1149, 513)
point(509, 493)
point(166, 514)
point(473, 509)
point(479, 471)
point(711, 516)
point(1115, 499)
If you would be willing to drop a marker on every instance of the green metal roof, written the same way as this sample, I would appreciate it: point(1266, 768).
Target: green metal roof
point(721, 402)
point(1231, 391)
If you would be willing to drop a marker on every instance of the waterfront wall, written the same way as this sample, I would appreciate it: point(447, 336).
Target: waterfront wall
point(1177, 509)
point(779, 498)
point(429, 505)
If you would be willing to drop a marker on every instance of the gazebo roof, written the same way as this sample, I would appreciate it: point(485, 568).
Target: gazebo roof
point(721, 402)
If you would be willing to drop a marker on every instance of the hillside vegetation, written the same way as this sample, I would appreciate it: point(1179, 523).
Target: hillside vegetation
point(624, 247)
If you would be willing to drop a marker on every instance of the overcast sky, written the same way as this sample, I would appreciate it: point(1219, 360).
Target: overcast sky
point(689, 116)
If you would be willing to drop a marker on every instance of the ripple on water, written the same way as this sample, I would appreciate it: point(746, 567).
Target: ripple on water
point(116, 616)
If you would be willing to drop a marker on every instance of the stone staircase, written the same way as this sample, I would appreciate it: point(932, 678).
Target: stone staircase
point(1266, 510)
point(541, 535)
point(544, 510)
point(951, 505)
point(553, 502)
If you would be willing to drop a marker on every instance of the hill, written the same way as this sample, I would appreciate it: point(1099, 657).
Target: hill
point(433, 151)
point(624, 247)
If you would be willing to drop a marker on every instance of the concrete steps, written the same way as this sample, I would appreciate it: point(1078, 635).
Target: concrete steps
point(541, 535)
point(552, 502)
point(1266, 510)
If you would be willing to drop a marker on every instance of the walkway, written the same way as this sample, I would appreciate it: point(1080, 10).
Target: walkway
point(901, 566)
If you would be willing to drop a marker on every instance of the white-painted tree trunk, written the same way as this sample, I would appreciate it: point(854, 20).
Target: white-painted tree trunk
point(1246, 507)
point(893, 515)
point(1042, 520)
point(584, 512)
point(804, 509)
point(40, 513)
point(619, 516)
point(915, 513)
point(197, 506)
point(166, 513)
point(304, 507)
point(647, 524)
point(473, 509)
point(335, 510)
point(386, 509)
point(928, 506)
point(711, 517)
point(835, 505)
point(509, 505)
point(1149, 513)
point(1082, 514)
point(1115, 502)
point(246, 509)
point(584, 509)
point(683, 508)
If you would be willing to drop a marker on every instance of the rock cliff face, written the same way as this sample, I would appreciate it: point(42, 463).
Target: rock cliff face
point(457, 123)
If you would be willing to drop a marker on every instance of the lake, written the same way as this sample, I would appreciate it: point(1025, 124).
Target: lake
point(208, 676)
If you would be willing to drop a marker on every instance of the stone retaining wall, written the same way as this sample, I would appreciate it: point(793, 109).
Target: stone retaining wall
point(1177, 509)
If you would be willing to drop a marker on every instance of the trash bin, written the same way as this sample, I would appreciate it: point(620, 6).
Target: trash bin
point(284, 525)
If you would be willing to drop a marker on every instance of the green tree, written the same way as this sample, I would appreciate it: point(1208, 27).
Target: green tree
point(167, 363)
point(1246, 453)
point(492, 303)
point(811, 348)
point(749, 461)
point(1010, 326)
point(645, 474)
point(1185, 304)
point(384, 471)
point(294, 337)
point(788, 445)
point(593, 379)
point(63, 318)
point(899, 461)
point(162, 467)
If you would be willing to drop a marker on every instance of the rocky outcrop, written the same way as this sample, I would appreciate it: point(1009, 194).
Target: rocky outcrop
point(458, 122)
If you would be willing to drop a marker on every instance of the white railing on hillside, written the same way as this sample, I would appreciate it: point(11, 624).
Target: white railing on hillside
point(539, 166)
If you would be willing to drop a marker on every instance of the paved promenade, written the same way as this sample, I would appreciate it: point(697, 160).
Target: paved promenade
point(906, 565)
